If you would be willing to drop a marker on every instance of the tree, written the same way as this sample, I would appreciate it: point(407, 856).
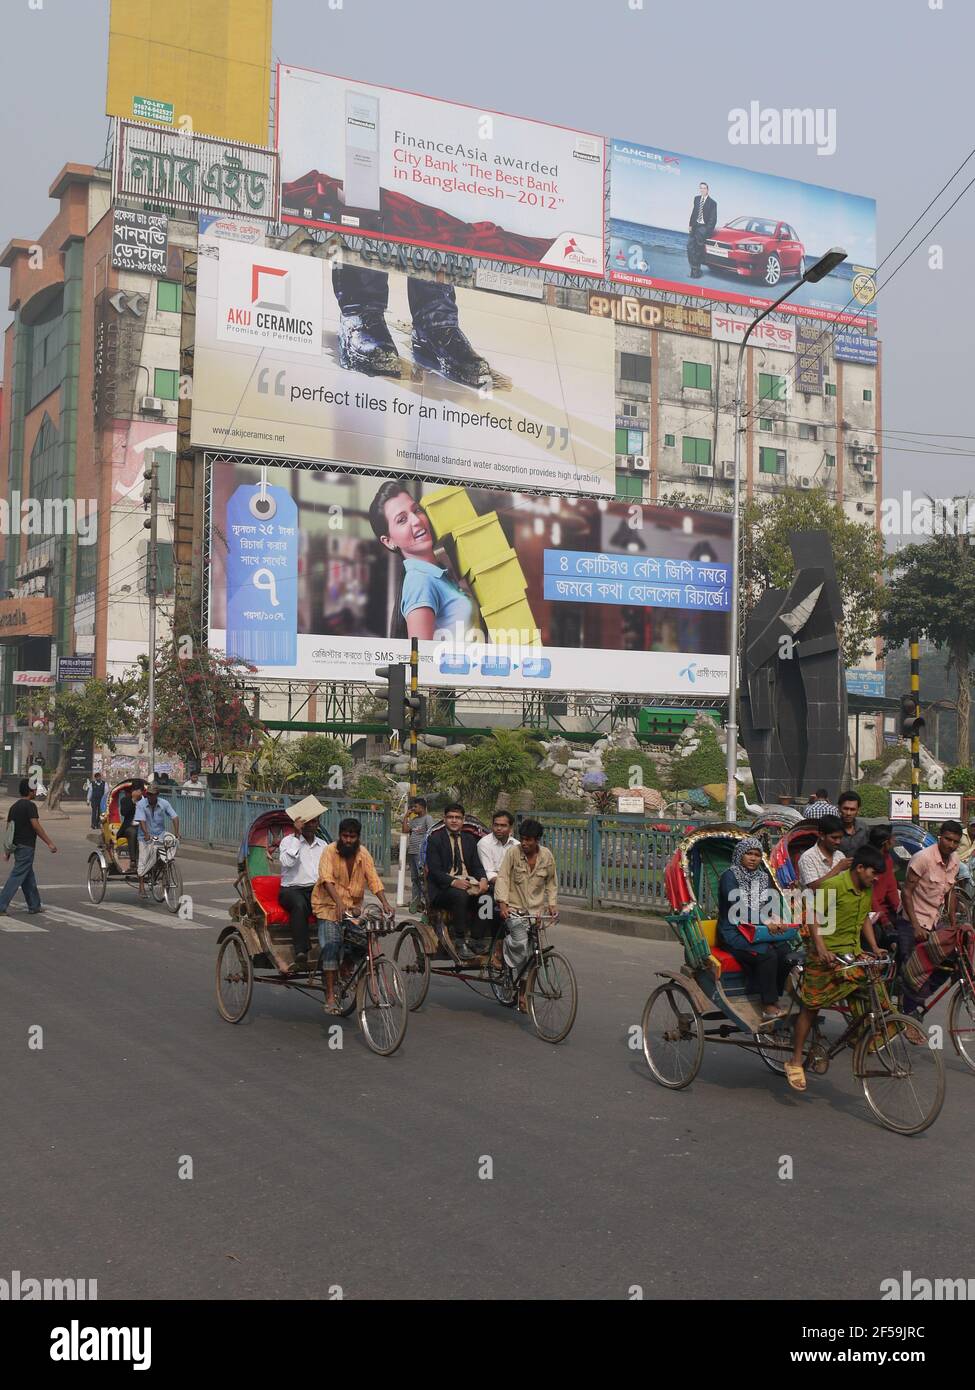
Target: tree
point(97, 713)
point(501, 763)
point(932, 595)
point(858, 553)
point(318, 763)
point(201, 710)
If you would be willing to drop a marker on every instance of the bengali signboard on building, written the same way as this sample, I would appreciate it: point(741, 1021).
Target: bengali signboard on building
point(812, 350)
point(855, 347)
point(634, 312)
point(76, 668)
point(118, 349)
point(411, 168)
point(861, 681)
point(181, 170)
point(731, 328)
point(140, 241)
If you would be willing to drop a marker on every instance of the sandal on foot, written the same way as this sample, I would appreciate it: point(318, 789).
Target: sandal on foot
point(795, 1076)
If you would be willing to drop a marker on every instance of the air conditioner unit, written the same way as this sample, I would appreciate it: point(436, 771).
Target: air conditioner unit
point(805, 482)
point(869, 478)
point(704, 470)
point(151, 405)
point(641, 464)
point(728, 469)
point(855, 443)
point(621, 461)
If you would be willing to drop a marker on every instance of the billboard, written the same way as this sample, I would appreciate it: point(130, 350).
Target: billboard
point(750, 236)
point(855, 347)
point(183, 171)
point(140, 241)
point(203, 66)
point(406, 167)
point(303, 358)
point(318, 575)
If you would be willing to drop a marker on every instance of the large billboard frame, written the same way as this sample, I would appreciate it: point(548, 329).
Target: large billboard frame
point(598, 273)
point(212, 458)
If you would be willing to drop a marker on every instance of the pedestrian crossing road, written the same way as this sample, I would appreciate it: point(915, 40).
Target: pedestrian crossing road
point(121, 916)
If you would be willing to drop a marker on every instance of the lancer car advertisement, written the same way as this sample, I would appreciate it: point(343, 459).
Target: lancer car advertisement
point(686, 224)
point(325, 575)
point(404, 167)
point(304, 358)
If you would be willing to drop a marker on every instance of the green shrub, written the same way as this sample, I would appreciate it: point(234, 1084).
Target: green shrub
point(371, 787)
point(875, 800)
point(547, 794)
point(618, 764)
point(960, 779)
point(697, 769)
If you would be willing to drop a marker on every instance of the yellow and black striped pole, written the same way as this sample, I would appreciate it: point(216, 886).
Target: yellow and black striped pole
point(414, 710)
point(916, 734)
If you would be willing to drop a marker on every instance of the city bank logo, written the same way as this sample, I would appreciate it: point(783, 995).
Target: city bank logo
point(269, 299)
point(580, 252)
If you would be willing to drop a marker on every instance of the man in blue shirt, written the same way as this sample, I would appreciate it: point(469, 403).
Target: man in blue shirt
point(150, 820)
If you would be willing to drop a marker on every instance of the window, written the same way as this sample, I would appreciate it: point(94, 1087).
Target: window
point(765, 424)
point(46, 348)
point(166, 384)
point(807, 432)
point(634, 366)
point(622, 437)
point(165, 461)
point(695, 450)
point(771, 460)
point(169, 297)
point(669, 441)
point(630, 410)
point(830, 460)
point(627, 485)
point(45, 474)
point(697, 375)
point(771, 387)
point(830, 388)
point(867, 394)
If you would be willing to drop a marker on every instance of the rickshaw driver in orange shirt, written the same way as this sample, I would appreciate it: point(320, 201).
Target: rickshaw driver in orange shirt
point(345, 871)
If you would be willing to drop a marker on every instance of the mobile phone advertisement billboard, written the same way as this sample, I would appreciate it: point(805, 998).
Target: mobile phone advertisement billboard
point(324, 576)
point(474, 386)
point(382, 162)
point(698, 227)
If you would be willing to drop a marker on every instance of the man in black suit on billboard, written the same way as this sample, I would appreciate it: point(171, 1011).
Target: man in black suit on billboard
point(704, 219)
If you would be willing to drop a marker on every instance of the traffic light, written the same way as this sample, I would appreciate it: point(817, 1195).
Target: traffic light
point(395, 695)
point(911, 721)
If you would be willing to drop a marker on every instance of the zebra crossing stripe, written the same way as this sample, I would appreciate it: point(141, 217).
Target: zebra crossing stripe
point(21, 926)
point(79, 919)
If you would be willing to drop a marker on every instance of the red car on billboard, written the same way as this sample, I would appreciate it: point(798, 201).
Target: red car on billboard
point(757, 248)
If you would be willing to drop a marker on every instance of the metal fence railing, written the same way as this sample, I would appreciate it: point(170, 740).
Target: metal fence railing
point(221, 819)
point(604, 860)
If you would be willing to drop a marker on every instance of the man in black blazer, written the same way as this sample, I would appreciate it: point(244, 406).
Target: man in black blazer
point(704, 219)
point(456, 879)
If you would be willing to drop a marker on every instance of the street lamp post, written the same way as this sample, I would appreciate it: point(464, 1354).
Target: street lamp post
point(833, 257)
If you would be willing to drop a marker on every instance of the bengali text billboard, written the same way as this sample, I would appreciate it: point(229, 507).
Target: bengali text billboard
point(318, 575)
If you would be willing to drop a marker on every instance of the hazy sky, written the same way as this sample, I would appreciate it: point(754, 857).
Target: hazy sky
point(898, 74)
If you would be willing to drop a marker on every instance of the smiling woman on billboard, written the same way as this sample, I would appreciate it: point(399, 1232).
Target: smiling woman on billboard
point(427, 601)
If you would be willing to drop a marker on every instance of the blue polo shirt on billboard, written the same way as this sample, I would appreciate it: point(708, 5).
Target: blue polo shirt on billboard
point(427, 586)
point(154, 816)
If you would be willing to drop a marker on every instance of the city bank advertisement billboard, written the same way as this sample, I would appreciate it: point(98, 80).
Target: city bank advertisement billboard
point(405, 167)
point(304, 358)
point(318, 575)
point(686, 224)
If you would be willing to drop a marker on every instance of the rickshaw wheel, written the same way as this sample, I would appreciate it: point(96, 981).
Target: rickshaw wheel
point(97, 878)
point(552, 997)
point(903, 1082)
point(346, 995)
point(157, 882)
point(673, 1036)
point(961, 1024)
point(504, 988)
point(381, 1006)
point(413, 965)
point(235, 978)
point(172, 886)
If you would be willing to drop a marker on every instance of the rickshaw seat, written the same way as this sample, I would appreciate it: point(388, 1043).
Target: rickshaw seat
point(709, 928)
point(265, 888)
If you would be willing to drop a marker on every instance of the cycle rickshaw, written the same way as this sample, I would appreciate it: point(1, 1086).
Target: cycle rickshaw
point(533, 970)
point(256, 947)
point(110, 861)
point(708, 1001)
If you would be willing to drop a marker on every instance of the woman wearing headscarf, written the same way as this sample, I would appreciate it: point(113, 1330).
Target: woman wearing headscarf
point(749, 930)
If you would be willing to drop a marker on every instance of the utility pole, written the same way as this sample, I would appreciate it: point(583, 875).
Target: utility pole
point(414, 703)
point(916, 733)
point(150, 500)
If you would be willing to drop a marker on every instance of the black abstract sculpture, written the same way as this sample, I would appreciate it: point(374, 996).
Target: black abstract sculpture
point(793, 707)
